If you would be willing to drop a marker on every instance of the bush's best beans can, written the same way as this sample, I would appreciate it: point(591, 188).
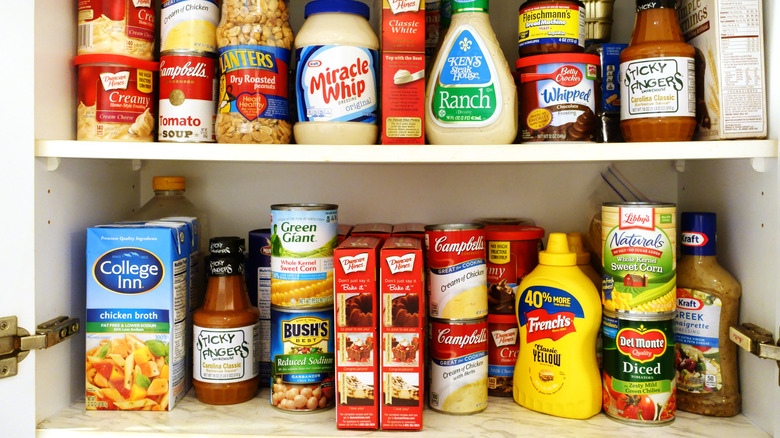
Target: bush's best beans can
point(639, 256)
point(188, 98)
point(457, 273)
point(302, 359)
point(303, 237)
point(639, 373)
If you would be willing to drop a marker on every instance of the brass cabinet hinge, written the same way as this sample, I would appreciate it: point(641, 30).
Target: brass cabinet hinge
point(757, 341)
point(16, 342)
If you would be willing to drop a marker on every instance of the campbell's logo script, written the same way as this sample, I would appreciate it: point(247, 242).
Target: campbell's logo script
point(543, 325)
point(689, 304)
point(187, 70)
point(128, 271)
point(473, 244)
point(693, 239)
point(305, 330)
point(404, 263)
point(641, 345)
point(444, 337)
point(641, 218)
point(502, 338)
point(115, 81)
point(358, 263)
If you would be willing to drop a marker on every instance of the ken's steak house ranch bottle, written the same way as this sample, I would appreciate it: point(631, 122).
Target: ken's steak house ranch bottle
point(657, 79)
point(471, 97)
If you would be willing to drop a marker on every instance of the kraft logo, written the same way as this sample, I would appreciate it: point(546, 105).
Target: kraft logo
point(128, 271)
point(315, 63)
point(693, 239)
point(689, 303)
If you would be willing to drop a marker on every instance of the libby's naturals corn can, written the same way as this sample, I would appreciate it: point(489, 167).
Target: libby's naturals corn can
point(303, 237)
point(639, 258)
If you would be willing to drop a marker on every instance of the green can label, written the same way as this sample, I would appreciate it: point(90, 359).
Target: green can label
point(639, 371)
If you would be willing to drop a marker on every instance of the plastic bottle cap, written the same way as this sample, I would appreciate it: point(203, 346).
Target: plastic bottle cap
point(168, 183)
point(331, 6)
point(576, 246)
point(557, 252)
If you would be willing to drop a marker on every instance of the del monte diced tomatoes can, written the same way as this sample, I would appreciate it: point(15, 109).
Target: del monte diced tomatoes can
point(639, 384)
point(457, 271)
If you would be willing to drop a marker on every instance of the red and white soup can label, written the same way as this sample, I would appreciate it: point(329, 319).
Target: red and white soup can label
point(188, 98)
point(459, 366)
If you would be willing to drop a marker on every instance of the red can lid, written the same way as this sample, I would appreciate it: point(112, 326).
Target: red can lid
point(116, 59)
point(513, 232)
point(502, 319)
point(558, 58)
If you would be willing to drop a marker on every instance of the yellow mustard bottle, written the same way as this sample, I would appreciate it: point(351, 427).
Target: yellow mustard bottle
point(558, 312)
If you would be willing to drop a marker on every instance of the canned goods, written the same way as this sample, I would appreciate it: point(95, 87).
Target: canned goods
point(459, 366)
point(457, 274)
point(258, 281)
point(303, 237)
point(116, 27)
point(512, 252)
point(302, 358)
point(503, 349)
point(188, 98)
point(551, 26)
point(639, 372)
point(640, 256)
point(189, 25)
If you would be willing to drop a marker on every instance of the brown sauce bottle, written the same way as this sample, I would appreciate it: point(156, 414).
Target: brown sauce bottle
point(657, 83)
point(707, 305)
point(226, 327)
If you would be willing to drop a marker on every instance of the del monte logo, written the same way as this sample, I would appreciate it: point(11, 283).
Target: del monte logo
point(641, 344)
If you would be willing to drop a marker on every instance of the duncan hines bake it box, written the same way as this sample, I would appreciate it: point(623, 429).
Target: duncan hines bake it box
point(728, 36)
point(137, 316)
point(357, 354)
point(402, 332)
point(403, 71)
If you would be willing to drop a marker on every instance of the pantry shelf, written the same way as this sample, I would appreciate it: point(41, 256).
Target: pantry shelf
point(256, 418)
point(517, 153)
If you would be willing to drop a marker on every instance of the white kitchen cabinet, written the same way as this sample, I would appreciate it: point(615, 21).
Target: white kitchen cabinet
point(54, 187)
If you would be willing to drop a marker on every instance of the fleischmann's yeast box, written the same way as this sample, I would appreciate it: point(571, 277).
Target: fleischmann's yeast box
point(402, 332)
point(357, 355)
point(137, 316)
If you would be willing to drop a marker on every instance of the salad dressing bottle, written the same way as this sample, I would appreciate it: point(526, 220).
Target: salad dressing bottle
point(558, 312)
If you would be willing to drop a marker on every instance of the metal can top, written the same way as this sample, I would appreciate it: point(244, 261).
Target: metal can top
point(304, 207)
point(640, 204)
point(639, 316)
point(454, 227)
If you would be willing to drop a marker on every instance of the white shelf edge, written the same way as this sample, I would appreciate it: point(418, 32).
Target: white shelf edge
point(516, 153)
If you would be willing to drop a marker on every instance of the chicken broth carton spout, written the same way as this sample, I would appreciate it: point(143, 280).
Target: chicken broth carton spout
point(137, 316)
point(403, 71)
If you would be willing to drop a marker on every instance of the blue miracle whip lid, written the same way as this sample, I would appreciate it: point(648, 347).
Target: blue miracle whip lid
point(697, 234)
point(345, 6)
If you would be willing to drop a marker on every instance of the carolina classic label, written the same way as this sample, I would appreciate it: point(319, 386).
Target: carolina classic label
point(226, 355)
point(657, 87)
point(337, 84)
point(253, 81)
point(466, 92)
point(696, 332)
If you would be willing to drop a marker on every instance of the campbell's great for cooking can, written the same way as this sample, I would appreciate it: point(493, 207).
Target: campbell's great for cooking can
point(457, 273)
point(458, 366)
point(188, 98)
point(639, 368)
point(189, 26)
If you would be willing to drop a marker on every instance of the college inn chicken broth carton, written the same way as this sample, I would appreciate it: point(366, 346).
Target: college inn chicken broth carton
point(137, 315)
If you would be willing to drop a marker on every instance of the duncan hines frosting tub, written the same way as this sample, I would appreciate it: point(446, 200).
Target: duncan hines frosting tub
point(116, 99)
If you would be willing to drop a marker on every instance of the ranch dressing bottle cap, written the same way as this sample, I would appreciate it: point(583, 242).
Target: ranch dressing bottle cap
point(469, 6)
point(557, 252)
point(697, 231)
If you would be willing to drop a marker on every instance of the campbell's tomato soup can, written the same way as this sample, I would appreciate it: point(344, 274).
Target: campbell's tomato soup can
point(639, 385)
point(116, 27)
point(189, 26)
point(558, 97)
point(116, 98)
point(503, 349)
point(188, 98)
point(512, 252)
point(458, 366)
point(457, 285)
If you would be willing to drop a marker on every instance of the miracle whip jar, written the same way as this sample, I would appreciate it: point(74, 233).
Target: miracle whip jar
point(336, 80)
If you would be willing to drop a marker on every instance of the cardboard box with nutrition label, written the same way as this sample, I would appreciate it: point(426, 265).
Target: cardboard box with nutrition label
point(403, 71)
point(402, 333)
point(730, 77)
point(357, 354)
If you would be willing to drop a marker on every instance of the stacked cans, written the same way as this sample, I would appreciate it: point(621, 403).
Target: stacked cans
point(258, 284)
point(638, 295)
point(188, 84)
point(458, 309)
point(303, 237)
